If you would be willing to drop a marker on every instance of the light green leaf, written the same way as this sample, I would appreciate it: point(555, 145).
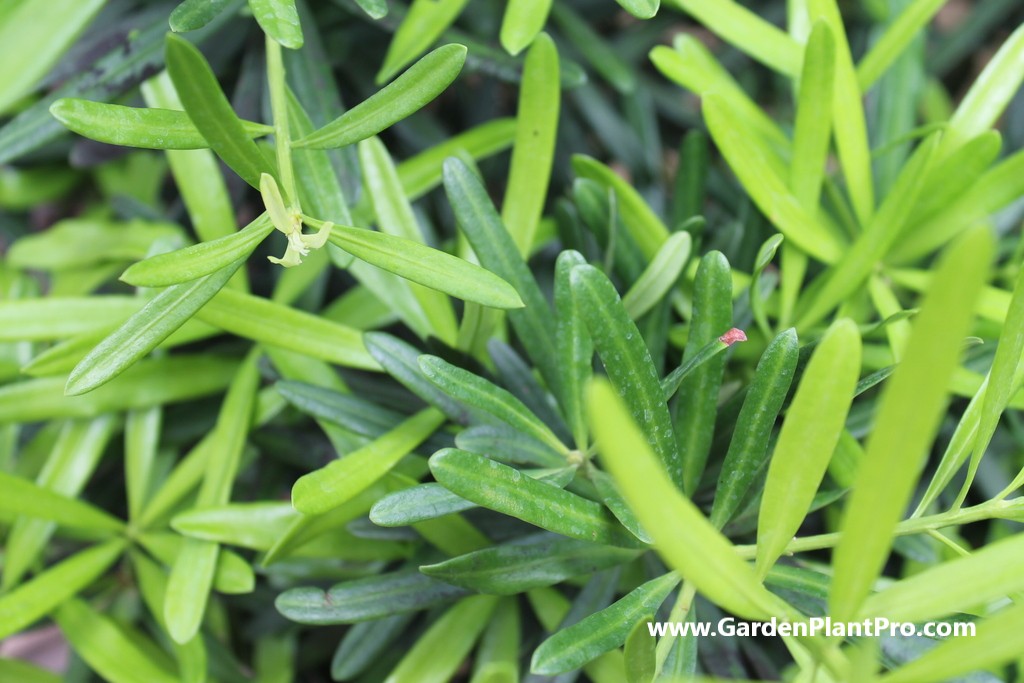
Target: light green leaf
point(149, 383)
point(574, 347)
point(395, 217)
point(426, 266)
point(809, 435)
point(141, 441)
point(340, 481)
point(748, 32)
point(997, 639)
point(640, 651)
point(117, 655)
point(850, 128)
point(22, 497)
point(33, 36)
point(280, 20)
point(423, 24)
point(952, 586)
point(907, 419)
point(681, 533)
point(813, 128)
point(195, 566)
point(522, 21)
point(989, 95)
point(57, 318)
point(601, 631)
point(536, 560)
point(191, 15)
point(198, 260)
point(641, 9)
point(660, 276)
point(749, 445)
point(249, 525)
point(897, 37)
point(135, 127)
point(267, 322)
point(751, 164)
point(478, 392)
point(28, 602)
point(78, 242)
point(424, 81)
point(498, 487)
point(144, 330)
point(627, 361)
point(537, 123)
point(210, 111)
point(441, 649)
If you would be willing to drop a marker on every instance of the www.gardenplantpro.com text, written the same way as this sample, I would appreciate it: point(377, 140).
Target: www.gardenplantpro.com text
point(815, 626)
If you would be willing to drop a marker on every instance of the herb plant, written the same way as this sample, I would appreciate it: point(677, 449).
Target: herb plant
point(477, 378)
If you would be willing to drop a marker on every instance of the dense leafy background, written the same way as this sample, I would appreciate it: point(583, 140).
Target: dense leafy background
point(188, 490)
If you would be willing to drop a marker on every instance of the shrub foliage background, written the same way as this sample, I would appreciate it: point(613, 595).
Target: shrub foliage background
point(376, 341)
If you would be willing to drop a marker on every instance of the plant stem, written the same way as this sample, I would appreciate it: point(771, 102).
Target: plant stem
point(282, 136)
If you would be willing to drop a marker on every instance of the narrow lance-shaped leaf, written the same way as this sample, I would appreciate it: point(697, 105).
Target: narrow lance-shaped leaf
point(1003, 381)
point(988, 96)
point(749, 445)
point(627, 361)
point(423, 24)
point(142, 332)
point(906, 421)
point(506, 490)
point(280, 20)
point(398, 592)
point(813, 129)
point(28, 602)
point(190, 15)
point(68, 468)
point(696, 406)
point(338, 482)
point(271, 323)
point(643, 224)
point(198, 260)
point(681, 533)
point(660, 276)
point(748, 32)
point(493, 245)
point(424, 81)
point(895, 40)
point(574, 347)
point(848, 112)
point(595, 48)
point(441, 649)
point(641, 9)
point(395, 217)
point(33, 37)
point(952, 586)
point(998, 639)
point(811, 430)
point(152, 382)
point(536, 126)
point(573, 647)
point(749, 161)
point(136, 127)
point(426, 266)
point(210, 111)
point(22, 497)
point(109, 649)
point(540, 560)
point(192, 574)
point(522, 21)
point(141, 441)
point(478, 392)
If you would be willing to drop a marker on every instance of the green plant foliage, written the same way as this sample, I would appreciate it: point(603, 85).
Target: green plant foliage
point(532, 340)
